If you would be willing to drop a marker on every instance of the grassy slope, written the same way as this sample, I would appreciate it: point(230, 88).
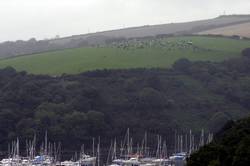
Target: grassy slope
point(84, 59)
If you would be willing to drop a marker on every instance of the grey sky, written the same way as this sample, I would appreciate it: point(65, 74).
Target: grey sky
point(23, 19)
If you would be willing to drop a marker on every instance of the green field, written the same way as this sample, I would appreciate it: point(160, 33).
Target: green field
point(151, 54)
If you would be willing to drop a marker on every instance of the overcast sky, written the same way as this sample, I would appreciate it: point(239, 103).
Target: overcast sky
point(23, 19)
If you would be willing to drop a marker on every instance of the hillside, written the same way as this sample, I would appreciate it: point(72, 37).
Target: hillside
point(239, 30)
point(127, 54)
point(75, 108)
point(154, 30)
point(10, 49)
point(230, 148)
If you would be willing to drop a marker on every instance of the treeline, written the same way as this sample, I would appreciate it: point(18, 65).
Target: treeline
point(75, 108)
point(32, 46)
point(11, 49)
point(230, 148)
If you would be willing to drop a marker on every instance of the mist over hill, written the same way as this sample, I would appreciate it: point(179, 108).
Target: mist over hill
point(10, 49)
point(154, 30)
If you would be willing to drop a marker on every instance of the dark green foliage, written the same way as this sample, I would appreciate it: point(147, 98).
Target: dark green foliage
point(246, 52)
point(182, 65)
point(75, 108)
point(242, 153)
point(230, 148)
point(202, 160)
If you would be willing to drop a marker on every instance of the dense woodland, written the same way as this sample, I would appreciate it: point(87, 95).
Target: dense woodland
point(75, 108)
point(230, 148)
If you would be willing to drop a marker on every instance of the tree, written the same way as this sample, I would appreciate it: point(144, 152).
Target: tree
point(242, 153)
point(231, 147)
point(246, 52)
point(182, 65)
point(96, 123)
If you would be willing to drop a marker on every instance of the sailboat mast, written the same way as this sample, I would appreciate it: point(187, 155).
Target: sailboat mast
point(46, 143)
point(98, 152)
point(93, 147)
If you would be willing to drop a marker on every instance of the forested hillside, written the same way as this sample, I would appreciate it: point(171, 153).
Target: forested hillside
point(230, 147)
point(75, 108)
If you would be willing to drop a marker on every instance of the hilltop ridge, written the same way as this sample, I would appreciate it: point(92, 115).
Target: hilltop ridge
point(10, 49)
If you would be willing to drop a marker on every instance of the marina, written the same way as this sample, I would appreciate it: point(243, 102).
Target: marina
point(49, 154)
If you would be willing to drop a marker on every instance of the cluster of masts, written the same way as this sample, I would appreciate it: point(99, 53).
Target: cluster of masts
point(142, 154)
point(188, 143)
point(127, 154)
point(49, 153)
